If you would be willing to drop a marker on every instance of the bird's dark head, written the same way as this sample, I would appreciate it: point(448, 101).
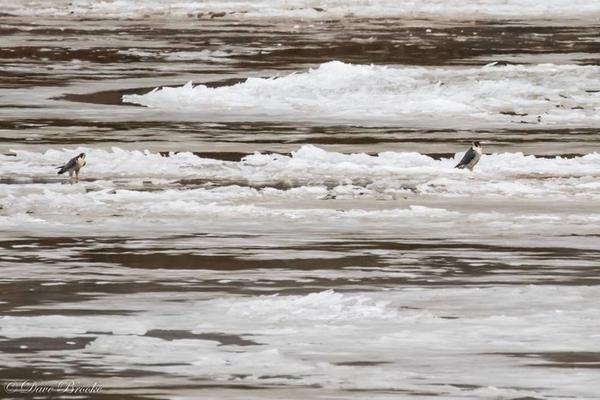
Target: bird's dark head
point(476, 144)
point(82, 155)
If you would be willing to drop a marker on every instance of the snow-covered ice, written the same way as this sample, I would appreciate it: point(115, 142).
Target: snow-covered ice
point(551, 95)
point(408, 340)
point(311, 172)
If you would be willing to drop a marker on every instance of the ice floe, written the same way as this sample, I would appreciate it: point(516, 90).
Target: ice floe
point(546, 94)
point(309, 173)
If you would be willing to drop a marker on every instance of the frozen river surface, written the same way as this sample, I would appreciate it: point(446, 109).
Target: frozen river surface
point(270, 208)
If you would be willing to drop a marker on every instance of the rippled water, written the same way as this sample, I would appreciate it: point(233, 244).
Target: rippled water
point(302, 233)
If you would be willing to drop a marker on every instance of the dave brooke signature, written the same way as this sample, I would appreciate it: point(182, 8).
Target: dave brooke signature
point(65, 386)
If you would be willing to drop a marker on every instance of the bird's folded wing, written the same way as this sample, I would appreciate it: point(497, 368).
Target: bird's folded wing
point(468, 157)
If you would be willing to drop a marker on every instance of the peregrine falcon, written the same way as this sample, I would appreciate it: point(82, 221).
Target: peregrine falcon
point(471, 157)
point(73, 166)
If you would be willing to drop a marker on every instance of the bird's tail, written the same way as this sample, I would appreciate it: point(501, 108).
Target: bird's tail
point(61, 170)
point(460, 166)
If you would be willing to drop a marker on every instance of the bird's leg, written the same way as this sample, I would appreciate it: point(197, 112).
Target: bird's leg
point(70, 174)
point(77, 176)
